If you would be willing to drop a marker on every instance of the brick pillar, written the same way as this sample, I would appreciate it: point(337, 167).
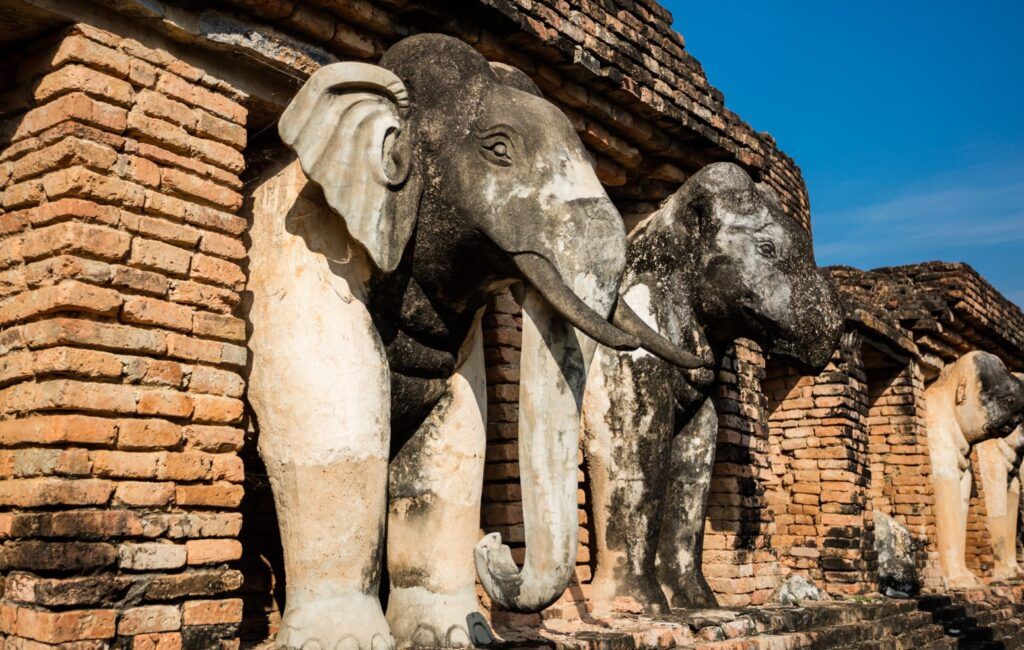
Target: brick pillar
point(740, 563)
point(900, 465)
point(120, 356)
point(819, 452)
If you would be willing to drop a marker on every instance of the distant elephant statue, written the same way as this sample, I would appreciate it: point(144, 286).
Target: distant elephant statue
point(974, 399)
point(717, 261)
point(999, 463)
point(453, 179)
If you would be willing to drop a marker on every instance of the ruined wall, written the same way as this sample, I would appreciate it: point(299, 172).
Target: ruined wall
point(120, 376)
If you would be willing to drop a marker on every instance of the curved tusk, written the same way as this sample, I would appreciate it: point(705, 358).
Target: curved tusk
point(545, 278)
point(625, 319)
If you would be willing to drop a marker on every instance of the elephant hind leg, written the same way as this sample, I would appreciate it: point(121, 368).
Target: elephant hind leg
point(436, 481)
point(680, 547)
point(627, 426)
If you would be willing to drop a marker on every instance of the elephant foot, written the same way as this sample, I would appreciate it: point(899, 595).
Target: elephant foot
point(693, 592)
point(634, 596)
point(1007, 574)
point(350, 622)
point(965, 580)
point(420, 618)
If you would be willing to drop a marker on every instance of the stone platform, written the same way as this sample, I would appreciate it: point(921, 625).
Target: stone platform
point(991, 619)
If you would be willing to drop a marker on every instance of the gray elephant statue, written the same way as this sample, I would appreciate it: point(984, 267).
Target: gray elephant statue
point(453, 180)
point(973, 400)
point(717, 261)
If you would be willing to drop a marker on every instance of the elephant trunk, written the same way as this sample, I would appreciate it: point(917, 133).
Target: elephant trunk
point(554, 370)
point(817, 317)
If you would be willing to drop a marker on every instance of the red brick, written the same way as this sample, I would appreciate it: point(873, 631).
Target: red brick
point(217, 409)
point(143, 493)
point(213, 551)
point(69, 331)
point(218, 271)
point(66, 394)
point(186, 466)
point(76, 49)
point(212, 612)
point(78, 78)
point(150, 311)
point(62, 627)
point(126, 464)
point(35, 492)
point(204, 295)
point(165, 403)
point(219, 326)
point(227, 467)
point(161, 106)
point(214, 381)
point(209, 438)
point(218, 495)
point(83, 182)
point(71, 237)
point(147, 434)
point(53, 429)
point(66, 296)
point(165, 641)
point(64, 153)
point(74, 106)
point(151, 618)
point(158, 256)
point(154, 372)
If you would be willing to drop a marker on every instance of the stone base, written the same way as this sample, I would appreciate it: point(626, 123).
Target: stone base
point(989, 618)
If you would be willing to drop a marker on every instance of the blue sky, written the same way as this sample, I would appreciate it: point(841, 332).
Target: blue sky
point(905, 116)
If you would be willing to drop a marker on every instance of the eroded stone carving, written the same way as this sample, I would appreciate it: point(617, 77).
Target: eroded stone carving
point(453, 180)
point(897, 557)
point(973, 400)
point(999, 463)
point(719, 260)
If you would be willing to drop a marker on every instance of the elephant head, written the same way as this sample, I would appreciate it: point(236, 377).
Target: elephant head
point(748, 265)
point(987, 400)
point(459, 179)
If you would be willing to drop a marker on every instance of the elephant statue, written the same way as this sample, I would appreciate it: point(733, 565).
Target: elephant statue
point(717, 261)
point(453, 179)
point(999, 463)
point(973, 400)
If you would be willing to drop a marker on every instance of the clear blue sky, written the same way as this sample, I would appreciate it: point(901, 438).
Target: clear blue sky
point(906, 117)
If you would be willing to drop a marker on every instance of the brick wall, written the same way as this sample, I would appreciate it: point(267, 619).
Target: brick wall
point(120, 384)
point(740, 562)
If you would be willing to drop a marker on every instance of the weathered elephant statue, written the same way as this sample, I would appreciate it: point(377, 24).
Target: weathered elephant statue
point(453, 179)
point(973, 400)
point(719, 260)
point(999, 463)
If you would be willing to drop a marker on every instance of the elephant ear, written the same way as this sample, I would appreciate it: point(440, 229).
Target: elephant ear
point(344, 124)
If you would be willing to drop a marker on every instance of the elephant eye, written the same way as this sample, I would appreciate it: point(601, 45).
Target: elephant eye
point(498, 151)
point(767, 249)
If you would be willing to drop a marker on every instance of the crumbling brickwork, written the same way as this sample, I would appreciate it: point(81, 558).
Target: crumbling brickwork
point(740, 562)
point(121, 357)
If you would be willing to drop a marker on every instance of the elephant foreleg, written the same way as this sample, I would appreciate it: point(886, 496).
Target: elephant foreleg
point(434, 514)
point(951, 476)
point(680, 548)
point(627, 428)
point(319, 388)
